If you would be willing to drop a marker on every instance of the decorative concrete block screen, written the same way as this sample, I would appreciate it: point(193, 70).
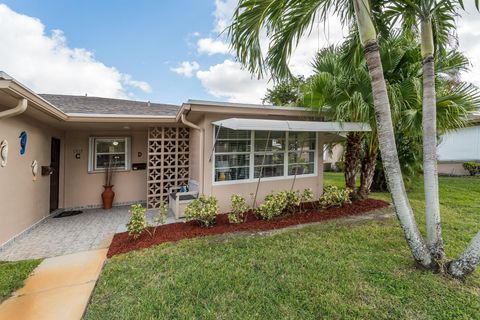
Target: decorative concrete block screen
point(168, 154)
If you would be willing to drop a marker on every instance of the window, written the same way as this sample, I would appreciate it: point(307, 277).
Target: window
point(243, 155)
point(301, 152)
point(269, 153)
point(232, 155)
point(102, 150)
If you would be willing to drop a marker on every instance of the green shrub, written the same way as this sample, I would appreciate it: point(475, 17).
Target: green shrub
point(293, 200)
point(307, 195)
point(334, 196)
point(137, 223)
point(161, 215)
point(273, 206)
point(203, 210)
point(239, 209)
point(472, 167)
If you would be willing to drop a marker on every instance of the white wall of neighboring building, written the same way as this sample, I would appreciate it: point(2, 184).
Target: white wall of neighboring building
point(457, 147)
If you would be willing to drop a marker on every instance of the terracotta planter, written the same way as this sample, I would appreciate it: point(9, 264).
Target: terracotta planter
point(107, 197)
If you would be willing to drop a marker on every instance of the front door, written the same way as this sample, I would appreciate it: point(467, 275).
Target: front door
point(55, 176)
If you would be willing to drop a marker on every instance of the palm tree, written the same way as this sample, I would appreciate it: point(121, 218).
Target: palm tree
point(284, 23)
point(436, 20)
point(342, 92)
point(442, 15)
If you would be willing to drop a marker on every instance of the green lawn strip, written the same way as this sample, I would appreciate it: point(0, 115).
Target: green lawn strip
point(13, 274)
point(330, 270)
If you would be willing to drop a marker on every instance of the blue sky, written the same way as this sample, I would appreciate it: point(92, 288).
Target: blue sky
point(144, 40)
point(165, 51)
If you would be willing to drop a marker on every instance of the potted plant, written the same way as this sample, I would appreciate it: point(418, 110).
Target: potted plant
point(108, 194)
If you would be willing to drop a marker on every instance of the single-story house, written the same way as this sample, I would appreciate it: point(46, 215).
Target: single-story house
point(54, 149)
point(459, 146)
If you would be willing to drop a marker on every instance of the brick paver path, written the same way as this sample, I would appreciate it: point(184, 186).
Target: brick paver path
point(93, 229)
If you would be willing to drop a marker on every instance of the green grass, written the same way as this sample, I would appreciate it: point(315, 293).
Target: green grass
point(12, 275)
point(330, 270)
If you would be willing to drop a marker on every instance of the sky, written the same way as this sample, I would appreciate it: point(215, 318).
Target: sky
point(165, 51)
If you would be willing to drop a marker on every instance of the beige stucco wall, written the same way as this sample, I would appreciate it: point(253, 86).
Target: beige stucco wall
point(224, 191)
point(84, 189)
point(23, 202)
point(452, 168)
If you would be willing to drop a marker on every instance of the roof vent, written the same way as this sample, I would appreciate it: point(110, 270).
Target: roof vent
point(148, 103)
point(86, 94)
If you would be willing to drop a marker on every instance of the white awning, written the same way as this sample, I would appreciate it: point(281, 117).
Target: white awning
point(288, 125)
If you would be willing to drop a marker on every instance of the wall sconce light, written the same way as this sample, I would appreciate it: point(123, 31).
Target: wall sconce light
point(77, 153)
point(139, 154)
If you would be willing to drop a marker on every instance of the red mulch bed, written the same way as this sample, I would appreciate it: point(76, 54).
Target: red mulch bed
point(122, 243)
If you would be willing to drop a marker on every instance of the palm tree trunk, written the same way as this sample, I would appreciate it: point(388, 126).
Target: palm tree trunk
point(389, 154)
point(386, 138)
point(468, 261)
point(429, 124)
point(352, 158)
point(369, 163)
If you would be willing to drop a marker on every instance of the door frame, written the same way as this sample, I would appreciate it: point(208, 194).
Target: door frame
point(55, 154)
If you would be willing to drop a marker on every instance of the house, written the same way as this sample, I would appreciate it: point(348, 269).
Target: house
point(454, 148)
point(459, 146)
point(66, 141)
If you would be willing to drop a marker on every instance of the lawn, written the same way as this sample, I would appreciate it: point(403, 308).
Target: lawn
point(12, 275)
point(329, 270)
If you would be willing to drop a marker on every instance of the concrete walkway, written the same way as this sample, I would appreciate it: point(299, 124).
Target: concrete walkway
point(59, 288)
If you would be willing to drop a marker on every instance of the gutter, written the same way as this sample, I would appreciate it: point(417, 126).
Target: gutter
point(19, 109)
point(189, 124)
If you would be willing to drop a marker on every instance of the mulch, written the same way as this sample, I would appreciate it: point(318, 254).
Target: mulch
point(122, 243)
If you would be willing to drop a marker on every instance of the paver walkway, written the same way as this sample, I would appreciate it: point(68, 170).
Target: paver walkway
point(90, 230)
point(59, 288)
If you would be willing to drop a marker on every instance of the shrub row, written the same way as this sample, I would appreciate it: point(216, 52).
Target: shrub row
point(472, 167)
point(204, 210)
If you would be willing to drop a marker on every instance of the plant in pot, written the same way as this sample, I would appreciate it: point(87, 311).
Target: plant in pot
point(108, 194)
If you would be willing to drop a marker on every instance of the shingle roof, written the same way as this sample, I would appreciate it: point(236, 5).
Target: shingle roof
point(95, 105)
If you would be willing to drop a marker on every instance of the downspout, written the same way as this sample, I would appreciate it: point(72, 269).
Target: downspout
point(19, 109)
point(194, 126)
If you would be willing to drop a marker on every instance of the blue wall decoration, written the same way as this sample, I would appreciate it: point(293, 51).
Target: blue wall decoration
point(23, 142)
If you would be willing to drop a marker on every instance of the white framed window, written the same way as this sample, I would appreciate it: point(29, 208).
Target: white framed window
point(241, 155)
point(105, 149)
point(232, 155)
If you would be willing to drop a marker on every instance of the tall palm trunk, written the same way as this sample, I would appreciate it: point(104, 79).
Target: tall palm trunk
point(386, 136)
point(352, 158)
point(468, 261)
point(429, 124)
point(369, 162)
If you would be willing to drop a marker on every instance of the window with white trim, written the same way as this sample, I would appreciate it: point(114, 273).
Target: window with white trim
point(102, 150)
point(232, 155)
point(242, 155)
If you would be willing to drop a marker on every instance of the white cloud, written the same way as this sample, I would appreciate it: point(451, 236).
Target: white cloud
point(186, 68)
point(469, 34)
point(46, 64)
point(211, 46)
point(223, 14)
point(228, 80)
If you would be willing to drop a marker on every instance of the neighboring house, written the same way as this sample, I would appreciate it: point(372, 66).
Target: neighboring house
point(159, 146)
point(332, 157)
point(459, 146)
